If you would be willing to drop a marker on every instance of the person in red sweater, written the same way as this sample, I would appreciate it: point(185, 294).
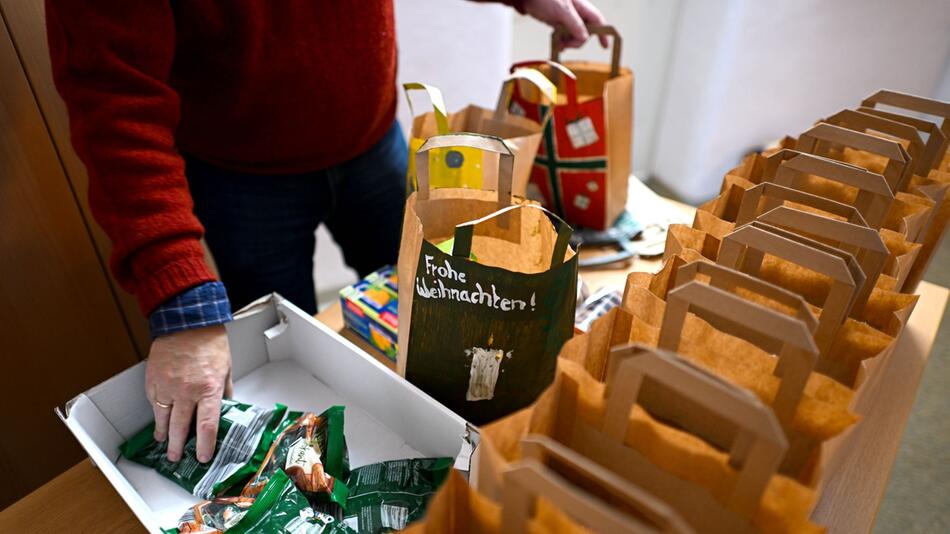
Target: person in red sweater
point(249, 123)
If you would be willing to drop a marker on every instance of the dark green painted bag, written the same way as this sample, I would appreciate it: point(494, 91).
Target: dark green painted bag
point(482, 336)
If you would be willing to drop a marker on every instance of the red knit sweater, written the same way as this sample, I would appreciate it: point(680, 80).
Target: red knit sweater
point(254, 85)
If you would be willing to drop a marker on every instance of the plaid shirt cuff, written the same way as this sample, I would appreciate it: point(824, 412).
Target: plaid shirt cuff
point(203, 305)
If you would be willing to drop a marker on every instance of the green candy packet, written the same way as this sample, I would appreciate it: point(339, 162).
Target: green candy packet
point(311, 449)
point(387, 496)
point(279, 508)
point(244, 435)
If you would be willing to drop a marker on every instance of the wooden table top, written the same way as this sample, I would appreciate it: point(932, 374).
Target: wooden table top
point(82, 500)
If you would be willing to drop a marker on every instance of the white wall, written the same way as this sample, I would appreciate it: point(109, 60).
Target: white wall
point(464, 48)
point(745, 72)
point(647, 28)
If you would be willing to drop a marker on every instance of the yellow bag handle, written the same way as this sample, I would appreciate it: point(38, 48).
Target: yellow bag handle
point(438, 104)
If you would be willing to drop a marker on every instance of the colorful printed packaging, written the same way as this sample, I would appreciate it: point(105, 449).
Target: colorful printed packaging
point(244, 434)
point(387, 496)
point(311, 449)
point(279, 508)
point(370, 307)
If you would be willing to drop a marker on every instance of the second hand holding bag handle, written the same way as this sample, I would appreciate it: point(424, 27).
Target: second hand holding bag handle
point(594, 29)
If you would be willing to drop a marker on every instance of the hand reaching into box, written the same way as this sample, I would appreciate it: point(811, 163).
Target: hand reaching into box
point(188, 371)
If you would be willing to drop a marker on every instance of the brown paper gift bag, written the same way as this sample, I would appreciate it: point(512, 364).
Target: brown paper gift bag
point(931, 177)
point(464, 167)
point(612, 424)
point(885, 256)
point(755, 336)
point(552, 489)
point(865, 190)
point(851, 347)
point(583, 165)
point(894, 163)
point(868, 191)
point(482, 321)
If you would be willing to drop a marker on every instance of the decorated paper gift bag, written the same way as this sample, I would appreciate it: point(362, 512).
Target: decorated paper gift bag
point(463, 166)
point(552, 489)
point(714, 488)
point(486, 292)
point(583, 164)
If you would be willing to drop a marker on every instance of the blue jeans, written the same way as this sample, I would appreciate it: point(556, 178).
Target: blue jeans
point(260, 228)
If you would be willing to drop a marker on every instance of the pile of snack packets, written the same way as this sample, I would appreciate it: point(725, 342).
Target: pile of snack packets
point(276, 470)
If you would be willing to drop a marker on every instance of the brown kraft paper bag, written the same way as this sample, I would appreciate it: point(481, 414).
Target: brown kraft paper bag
point(747, 332)
point(552, 489)
point(613, 424)
point(931, 162)
point(852, 347)
point(741, 202)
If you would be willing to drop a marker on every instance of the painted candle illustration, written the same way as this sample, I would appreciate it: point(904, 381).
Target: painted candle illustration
point(483, 372)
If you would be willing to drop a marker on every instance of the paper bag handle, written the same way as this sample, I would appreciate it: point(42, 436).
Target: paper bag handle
point(796, 351)
point(862, 122)
point(917, 104)
point(438, 104)
point(597, 497)
point(759, 444)
point(533, 76)
point(744, 249)
point(558, 72)
point(775, 194)
point(462, 247)
point(898, 168)
point(865, 244)
point(485, 143)
point(874, 196)
point(594, 29)
point(936, 138)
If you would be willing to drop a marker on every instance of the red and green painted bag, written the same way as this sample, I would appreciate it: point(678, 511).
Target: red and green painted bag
point(582, 167)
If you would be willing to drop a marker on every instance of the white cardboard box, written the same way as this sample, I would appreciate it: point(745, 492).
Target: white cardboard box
point(280, 354)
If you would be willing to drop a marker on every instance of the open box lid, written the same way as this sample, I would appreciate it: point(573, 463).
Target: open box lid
point(279, 354)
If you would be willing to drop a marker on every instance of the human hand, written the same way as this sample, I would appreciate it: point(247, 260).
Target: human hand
point(186, 371)
point(572, 14)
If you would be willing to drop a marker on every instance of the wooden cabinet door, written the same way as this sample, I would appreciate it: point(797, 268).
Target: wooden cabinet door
point(26, 22)
point(61, 327)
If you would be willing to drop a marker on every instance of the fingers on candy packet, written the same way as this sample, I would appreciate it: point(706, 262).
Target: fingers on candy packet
point(244, 436)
